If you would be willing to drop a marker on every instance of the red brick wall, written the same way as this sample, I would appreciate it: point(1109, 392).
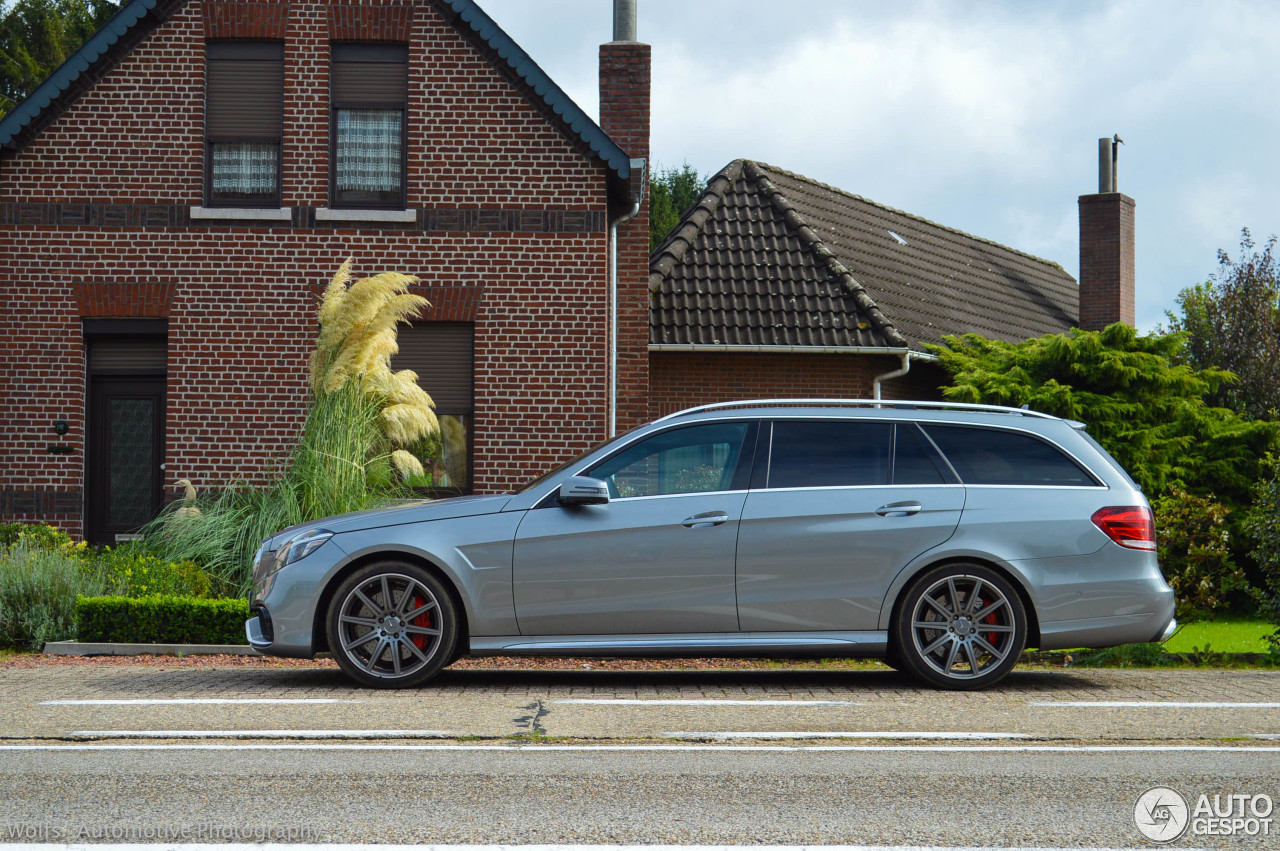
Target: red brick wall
point(679, 380)
point(1107, 265)
point(511, 234)
point(624, 115)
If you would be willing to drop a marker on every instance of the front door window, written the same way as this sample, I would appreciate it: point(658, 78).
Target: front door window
point(699, 459)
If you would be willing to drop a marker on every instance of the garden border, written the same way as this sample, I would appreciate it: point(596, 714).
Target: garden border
point(90, 648)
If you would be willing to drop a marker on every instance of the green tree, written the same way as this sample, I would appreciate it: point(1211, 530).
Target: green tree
point(672, 191)
point(1146, 409)
point(1262, 525)
point(1232, 321)
point(36, 36)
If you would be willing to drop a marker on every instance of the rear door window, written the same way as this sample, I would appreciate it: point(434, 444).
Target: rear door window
point(829, 454)
point(988, 456)
point(913, 459)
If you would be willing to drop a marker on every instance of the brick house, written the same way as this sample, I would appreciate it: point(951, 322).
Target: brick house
point(173, 197)
point(774, 284)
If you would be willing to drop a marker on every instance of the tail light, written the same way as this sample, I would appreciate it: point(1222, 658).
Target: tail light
point(1131, 526)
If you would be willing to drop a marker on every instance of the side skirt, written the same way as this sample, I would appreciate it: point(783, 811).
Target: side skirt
point(746, 644)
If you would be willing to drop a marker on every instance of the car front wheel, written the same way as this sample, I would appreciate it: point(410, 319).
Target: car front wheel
point(392, 625)
point(960, 626)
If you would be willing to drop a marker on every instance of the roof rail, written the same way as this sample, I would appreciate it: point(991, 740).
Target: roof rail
point(857, 403)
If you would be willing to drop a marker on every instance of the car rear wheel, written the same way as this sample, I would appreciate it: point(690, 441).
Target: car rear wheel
point(960, 626)
point(392, 625)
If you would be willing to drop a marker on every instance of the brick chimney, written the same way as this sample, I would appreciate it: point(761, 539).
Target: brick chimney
point(1107, 271)
point(624, 115)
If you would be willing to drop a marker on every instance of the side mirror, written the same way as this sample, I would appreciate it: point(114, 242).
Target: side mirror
point(584, 490)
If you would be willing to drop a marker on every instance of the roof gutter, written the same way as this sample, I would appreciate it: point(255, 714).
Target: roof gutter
point(725, 348)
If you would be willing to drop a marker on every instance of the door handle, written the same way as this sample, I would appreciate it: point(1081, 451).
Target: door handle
point(710, 518)
point(899, 509)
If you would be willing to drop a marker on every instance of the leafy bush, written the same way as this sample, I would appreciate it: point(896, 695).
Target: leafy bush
point(161, 619)
point(1262, 525)
point(38, 590)
point(130, 572)
point(39, 535)
point(1195, 554)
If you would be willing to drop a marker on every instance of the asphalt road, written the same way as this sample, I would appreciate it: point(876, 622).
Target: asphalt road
point(1056, 759)
point(539, 796)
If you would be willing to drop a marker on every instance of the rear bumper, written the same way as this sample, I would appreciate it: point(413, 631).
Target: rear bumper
point(1110, 631)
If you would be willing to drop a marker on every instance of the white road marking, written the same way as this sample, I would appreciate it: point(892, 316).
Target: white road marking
point(262, 734)
point(620, 701)
point(1155, 704)
point(1264, 735)
point(819, 734)
point(300, 846)
point(202, 701)
point(536, 748)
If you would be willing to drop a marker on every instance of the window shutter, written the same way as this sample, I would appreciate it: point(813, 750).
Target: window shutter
point(370, 74)
point(244, 89)
point(443, 355)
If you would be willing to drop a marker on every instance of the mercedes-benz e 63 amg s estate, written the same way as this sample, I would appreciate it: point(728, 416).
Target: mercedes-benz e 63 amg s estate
point(944, 538)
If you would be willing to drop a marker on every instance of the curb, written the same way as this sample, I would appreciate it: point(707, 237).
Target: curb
point(88, 648)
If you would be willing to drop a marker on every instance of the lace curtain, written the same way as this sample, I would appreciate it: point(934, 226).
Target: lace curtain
point(244, 168)
point(368, 150)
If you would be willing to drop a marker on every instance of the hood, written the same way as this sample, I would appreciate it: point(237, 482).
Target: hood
point(415, 511)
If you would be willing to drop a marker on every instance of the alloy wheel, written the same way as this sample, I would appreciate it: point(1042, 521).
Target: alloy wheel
point(963, 627)
point(389, 626)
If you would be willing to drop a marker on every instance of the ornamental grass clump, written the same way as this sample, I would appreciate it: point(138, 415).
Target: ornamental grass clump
point(359, 447)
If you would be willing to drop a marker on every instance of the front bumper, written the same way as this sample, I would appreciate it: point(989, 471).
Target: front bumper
point(285, 604)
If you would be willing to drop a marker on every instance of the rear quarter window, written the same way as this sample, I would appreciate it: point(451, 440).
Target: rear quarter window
point(988, 456)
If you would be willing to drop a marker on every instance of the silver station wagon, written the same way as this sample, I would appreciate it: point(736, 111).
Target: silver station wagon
point(942, 538)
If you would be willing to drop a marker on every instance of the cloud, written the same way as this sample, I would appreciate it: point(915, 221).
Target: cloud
point(981, 116)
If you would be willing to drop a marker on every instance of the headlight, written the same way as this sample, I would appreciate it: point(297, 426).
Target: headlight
point(300, 546)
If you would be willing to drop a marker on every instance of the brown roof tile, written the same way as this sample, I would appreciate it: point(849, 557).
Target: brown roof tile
point(768, 257)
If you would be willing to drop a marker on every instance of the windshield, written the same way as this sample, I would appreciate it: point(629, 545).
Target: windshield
point(572, 461)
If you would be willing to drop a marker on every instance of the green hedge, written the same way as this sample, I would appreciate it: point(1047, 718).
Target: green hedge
point(161, 619)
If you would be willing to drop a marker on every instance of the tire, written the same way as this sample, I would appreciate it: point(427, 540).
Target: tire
point(981, 627)
point(407, 642)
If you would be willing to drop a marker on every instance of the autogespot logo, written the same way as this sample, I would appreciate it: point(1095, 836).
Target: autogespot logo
point(1161, 814)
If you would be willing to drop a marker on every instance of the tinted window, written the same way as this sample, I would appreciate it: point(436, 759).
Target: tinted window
point(829, 454)
point(913, 461)
point(687, 460)
point(985, 456)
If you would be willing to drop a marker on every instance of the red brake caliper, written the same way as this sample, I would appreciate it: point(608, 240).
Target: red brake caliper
point(991, 618)
point(423, 620)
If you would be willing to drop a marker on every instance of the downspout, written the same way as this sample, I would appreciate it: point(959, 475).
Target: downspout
point(640, 165)
point(613, 315)
point(905, 359)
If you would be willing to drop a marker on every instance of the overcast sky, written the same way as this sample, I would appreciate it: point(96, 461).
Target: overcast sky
point(981, 116)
